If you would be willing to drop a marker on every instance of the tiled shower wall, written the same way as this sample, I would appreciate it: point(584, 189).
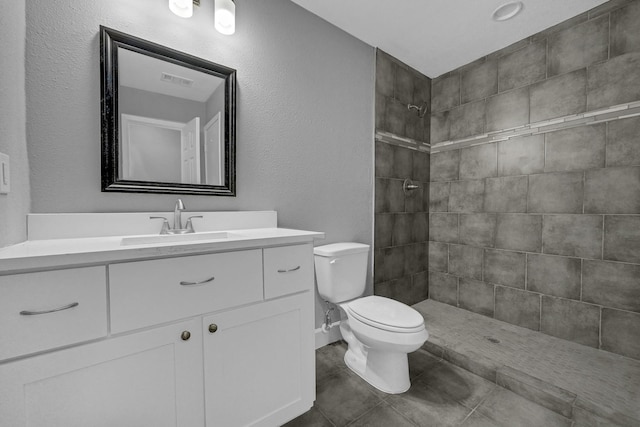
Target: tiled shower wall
point(401, 221)
point(543, 231)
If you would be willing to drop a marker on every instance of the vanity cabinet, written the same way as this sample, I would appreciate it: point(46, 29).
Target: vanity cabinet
point(220, 339)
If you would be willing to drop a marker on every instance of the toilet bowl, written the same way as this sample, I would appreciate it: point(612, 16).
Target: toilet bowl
point(380, 332)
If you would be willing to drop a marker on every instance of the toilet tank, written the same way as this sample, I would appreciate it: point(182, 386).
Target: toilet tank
point(341, 270)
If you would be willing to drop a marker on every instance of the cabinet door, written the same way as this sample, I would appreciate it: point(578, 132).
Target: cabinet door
point(151, 378)
point(259, 363)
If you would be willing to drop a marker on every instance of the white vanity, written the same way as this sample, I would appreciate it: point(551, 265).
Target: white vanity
point(201, 332)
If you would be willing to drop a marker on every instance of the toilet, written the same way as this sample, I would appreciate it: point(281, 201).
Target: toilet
point(380, 332)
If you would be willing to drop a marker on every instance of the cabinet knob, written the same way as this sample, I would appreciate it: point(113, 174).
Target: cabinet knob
point(213, 328)
point(185, 335)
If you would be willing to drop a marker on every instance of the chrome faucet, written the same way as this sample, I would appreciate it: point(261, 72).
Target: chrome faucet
point(177, 215)
point(177, 221)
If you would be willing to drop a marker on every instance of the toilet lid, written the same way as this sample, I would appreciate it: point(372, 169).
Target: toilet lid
point(385, 313)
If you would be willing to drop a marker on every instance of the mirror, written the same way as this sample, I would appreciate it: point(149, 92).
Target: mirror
point(168, 119)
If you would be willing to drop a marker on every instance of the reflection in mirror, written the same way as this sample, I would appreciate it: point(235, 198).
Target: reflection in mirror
point(171, 124)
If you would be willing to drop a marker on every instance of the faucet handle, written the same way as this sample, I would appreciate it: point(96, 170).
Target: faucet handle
point(189, 225)
point(165, 224)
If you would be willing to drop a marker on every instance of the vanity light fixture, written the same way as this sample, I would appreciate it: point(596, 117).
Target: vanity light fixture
point(507, 11)
point(182, 8)
point(225, 18)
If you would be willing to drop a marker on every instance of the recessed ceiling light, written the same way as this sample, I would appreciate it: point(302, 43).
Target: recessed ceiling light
point(507, 11)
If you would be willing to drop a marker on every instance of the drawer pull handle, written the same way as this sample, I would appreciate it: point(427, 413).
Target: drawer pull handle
point(290, 270)
point(211, 279)
point(53, 310)
point(185, 335)
point(213, 328)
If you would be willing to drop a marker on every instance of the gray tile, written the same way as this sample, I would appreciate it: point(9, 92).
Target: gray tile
point(479, 162)
point(623, 142)
point(389, 196)
point(473, 362)
point(579, 46)
point(382, 415)
point(467, 120)
point(607, 7)
point(479, 81)
point(385, 74)
point(330, 359)
point(504, 268)
point(312, 418)
point(389, 264)
point(521, 156)
point(445, 93)
point(477, 229)
point(396, 116)
point(426, 406)
point(519, 232)
point(421, 166)
point(573, 235)
point(584, 418)
point(612, 191)
point(445, 166)
point(384, 160)
point(611, 284)
point(403, 85)
point(556, 193)
point(559, 96)
point(420, 286)
point(614, 82)
point(380, 112)
point(343, 398)
point(465, 261)
point(476, 296)
point(383, 230)
point(509, 49)
point(443, 227)
point(402, 162)
point(507, 110)
point(401, 234)
point(443, 288)
point(416, 258)
point(553, 275)
point(414, 200)
point(438, 197)
point(440, 126)
point(421, 361)
point(509, 409)
point(621, 332)
point(576, 149)
point(438, 257)
point(477, 420)
point(622, 238)
point(506, 194)
point(522, 67)
point(518, 307)
point(569, 23)
point(466, 196)
point(571, 320)
point(420, 227)
point(421, 89)
point(402, 289)
point(625, 34)
point(459, 384)
point(537, 391)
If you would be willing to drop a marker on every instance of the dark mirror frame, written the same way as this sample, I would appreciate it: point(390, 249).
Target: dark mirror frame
point(112, 40)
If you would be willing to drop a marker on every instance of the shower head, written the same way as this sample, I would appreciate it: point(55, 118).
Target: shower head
point(420, 109)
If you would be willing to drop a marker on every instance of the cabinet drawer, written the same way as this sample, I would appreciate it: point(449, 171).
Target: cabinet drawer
point(147, 293)
point(46, 294)
point(287, 269)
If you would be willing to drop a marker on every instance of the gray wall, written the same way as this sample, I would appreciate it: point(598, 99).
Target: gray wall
point(542, 231)
point(401, 221)
point(304, 110)
point(15, 205)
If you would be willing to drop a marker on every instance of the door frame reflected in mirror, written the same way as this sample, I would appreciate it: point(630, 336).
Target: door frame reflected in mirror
point(111, 41)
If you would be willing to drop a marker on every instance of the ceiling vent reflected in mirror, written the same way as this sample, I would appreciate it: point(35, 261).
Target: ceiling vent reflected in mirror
point(176, 80)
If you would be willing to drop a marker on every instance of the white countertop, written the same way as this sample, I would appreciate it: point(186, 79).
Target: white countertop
point(63, 253)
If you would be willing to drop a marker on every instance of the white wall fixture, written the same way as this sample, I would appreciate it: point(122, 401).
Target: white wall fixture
point(182, 8)
point(507, 11)
point(225, 18)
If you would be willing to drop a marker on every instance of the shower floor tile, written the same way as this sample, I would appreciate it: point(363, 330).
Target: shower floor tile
point(441, 394)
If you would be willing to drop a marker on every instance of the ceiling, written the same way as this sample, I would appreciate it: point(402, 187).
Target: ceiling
point(437, 36)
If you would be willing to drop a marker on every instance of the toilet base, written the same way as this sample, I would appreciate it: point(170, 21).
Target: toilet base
point(384, 370)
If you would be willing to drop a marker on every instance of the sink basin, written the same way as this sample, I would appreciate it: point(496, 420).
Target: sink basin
point(175, 238)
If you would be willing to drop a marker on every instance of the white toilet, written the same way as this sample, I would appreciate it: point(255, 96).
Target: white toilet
point(380, 331)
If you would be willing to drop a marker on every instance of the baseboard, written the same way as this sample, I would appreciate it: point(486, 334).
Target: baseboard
point(333, 335)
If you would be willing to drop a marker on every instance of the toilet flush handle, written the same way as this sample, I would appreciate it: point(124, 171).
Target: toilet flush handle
point(333, 261)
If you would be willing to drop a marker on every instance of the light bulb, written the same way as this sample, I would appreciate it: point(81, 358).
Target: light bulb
point(225, 18)
point(182, 8)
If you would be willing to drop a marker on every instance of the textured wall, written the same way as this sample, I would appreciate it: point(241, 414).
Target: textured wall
point(542, 231)
point(401, 221)
point(304, 110)
point(15, 205)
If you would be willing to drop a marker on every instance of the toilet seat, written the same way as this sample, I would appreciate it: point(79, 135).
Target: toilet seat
point(386, 314)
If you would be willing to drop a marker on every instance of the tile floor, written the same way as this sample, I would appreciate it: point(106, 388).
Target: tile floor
point(441, 394)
